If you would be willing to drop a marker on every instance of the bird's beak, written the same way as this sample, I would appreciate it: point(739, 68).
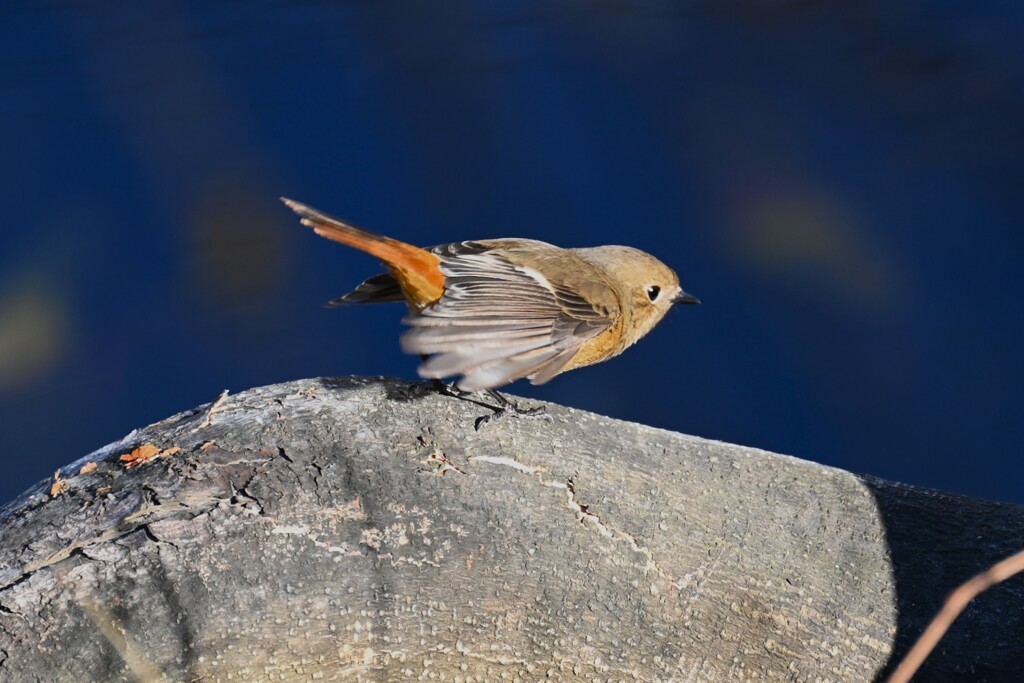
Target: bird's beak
point(684, 298)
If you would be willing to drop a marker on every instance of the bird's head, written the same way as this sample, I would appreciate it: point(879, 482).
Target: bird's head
point(646, 286)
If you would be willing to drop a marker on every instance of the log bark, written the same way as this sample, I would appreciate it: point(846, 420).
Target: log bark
point(360, 529)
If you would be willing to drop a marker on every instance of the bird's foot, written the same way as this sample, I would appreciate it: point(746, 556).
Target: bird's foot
point(445, 389)
point(503, 407)
point(507, 408)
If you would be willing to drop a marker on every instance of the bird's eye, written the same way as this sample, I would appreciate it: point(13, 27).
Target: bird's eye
point(653, 291)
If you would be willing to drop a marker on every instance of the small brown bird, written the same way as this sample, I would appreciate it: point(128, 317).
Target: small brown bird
point(498, 310)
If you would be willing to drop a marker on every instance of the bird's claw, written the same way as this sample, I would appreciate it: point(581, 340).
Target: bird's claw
point(507, 408)
point(504, 407)
point(514, 411)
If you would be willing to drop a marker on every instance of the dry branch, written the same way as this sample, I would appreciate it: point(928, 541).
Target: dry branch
point(360, 529)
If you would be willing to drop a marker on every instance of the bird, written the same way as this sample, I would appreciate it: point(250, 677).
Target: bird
point(492, 311)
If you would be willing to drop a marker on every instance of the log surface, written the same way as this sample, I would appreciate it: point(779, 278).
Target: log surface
point(360, 529)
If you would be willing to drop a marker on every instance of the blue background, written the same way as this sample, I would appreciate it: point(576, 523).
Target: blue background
point(839, 182)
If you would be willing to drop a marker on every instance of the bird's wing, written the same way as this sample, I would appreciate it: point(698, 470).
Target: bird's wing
point(384, 288)
point(379, 289)
point(498, 321)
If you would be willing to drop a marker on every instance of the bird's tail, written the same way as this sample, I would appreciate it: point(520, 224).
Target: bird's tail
point(417, 270)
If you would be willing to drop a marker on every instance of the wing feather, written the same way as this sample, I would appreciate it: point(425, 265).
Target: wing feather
point(498, 321)
point(378, 289)
point(447, 364)
point(497, 373)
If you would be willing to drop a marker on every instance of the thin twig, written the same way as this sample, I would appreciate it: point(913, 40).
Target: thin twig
point(955, 603)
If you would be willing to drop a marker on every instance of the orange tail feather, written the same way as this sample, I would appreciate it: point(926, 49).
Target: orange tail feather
point(417, 270)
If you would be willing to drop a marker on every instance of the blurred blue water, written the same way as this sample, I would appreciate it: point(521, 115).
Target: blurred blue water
point(839, 182)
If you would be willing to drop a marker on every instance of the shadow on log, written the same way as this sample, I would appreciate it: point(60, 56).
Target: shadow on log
point(359, 529)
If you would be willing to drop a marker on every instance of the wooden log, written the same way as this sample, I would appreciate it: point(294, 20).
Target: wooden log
point(360, 529)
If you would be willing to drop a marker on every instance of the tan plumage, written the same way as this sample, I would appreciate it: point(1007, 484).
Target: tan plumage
point(494, 311)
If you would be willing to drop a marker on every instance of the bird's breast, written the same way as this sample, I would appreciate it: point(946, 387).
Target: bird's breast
point(608, 344)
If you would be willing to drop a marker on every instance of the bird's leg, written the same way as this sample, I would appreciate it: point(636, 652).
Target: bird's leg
point(453, 390)
point(506, 407)
point(445, 389)
point(503, 408)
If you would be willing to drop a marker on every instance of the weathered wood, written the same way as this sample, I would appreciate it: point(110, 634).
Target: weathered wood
point(359, 529)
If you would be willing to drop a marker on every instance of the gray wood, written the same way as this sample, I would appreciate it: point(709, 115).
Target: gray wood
point(360, 529)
